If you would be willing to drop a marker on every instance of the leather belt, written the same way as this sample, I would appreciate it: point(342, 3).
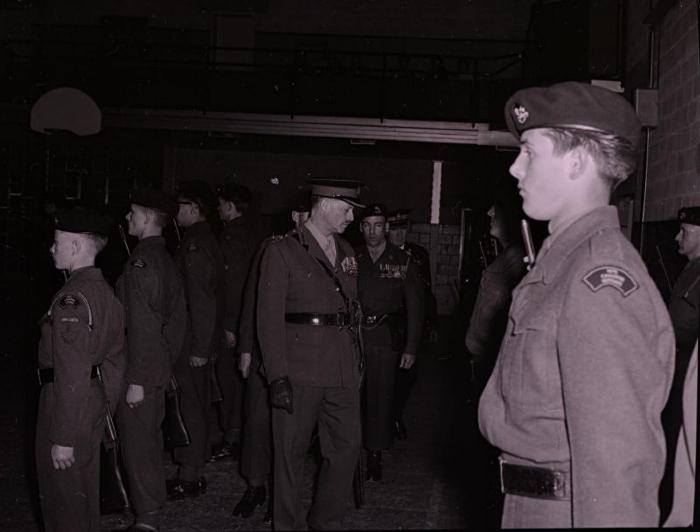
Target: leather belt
point(537, 482)
point(45, 375)
point(339, 319)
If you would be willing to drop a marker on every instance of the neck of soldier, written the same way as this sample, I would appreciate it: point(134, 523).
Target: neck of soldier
point(81, 261)
point(376, 250)
point(591, 195)
point(149, 231)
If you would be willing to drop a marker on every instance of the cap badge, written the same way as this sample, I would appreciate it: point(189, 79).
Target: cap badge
point(521, 114)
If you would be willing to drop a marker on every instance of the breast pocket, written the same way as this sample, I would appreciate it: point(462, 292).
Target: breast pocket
point(529, 369)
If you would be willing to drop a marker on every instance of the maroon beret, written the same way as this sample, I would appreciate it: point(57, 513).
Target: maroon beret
point(689, 215)
point(572, 104)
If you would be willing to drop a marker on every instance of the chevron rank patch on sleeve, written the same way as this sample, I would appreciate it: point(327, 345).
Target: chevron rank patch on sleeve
point(613, 276)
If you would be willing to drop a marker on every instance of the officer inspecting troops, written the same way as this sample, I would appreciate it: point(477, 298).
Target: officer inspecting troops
point(306, 321)
point(153, 295)
point(82, 330)
point(391, 296)
point(201, 265)
point(574, 402)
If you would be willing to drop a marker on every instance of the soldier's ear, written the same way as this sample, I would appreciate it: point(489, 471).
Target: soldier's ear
point(578, 160)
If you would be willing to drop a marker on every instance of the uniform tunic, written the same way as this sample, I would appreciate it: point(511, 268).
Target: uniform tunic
point(83, 327)
point(200, 262)
point(582, 375)
point(321, 363)
point(152, 292)
point(388, 287)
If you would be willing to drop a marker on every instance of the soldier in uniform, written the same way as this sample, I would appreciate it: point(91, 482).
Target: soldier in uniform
point(306, 328)
point(200, 262)
point(399, 226)
point(684, 308)
point(152, 292)
point(574, 402)
point(391, 296)
point(82, 331)
point(256, 449)
point(238, 241)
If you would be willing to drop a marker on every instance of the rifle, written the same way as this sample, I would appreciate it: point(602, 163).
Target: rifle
point(529, 246)
point(660, 258)
point(122, 235)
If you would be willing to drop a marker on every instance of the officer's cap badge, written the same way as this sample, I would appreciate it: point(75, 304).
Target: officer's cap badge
point(521, 114)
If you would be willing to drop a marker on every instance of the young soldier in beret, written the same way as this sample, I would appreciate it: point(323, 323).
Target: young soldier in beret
point(306, 328)
point(201, 264)
point(154, 300)
point(574, 402)
point(684, 308)
point(391, 296)
point(82, 330)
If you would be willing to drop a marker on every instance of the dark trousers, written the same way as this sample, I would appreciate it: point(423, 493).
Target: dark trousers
point(195, 401)
point(405, 379)
point(142, 449)
point(256, 453)
point(337, 413)
point(70, 498)
point(232, 386)
point(380, 374)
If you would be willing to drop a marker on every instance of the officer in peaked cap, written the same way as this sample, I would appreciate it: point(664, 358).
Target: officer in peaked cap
point(684, 308)
point(307, 330)
point(82, 339)
point(200, 262)
point(586, 363)
point(391, 296)
point(153, 296)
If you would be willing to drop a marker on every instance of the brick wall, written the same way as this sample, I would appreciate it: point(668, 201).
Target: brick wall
point(442, 242)
point(674, 153)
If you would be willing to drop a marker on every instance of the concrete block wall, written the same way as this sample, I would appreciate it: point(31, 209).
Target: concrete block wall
point(674, 152)
point(442, 242)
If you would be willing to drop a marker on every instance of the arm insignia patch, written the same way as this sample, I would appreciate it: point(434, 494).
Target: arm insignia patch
point(613, 276)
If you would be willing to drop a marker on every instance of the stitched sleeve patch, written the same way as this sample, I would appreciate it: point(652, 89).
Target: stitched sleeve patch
point(613, 276)
point(68, 300)
point(139, 263)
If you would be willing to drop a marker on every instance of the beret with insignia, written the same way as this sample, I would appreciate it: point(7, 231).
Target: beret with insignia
point(347, 190)
point(375, 209)
point(155, 199)
point(689, 215)
point(82, 220)
point(572, 104)
point(235, 193)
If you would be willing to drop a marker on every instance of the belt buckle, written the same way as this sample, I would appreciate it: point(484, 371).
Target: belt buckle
point(316, 320)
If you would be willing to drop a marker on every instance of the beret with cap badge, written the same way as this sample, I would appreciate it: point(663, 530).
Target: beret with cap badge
point(689, 215)
point(82, 220)
point(155, 199)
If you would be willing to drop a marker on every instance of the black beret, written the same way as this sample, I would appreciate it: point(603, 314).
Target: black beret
point(347, 190)
point(375, 209)
point(689, 215)
point(398, 218)
point(82, 220)
point(235, 193)
point(155, 199)
point(199, 192)
point(572, 104)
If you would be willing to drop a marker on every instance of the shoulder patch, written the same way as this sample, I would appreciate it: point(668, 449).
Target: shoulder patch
point(613, 276)
point(139, 263)
point(68, 300)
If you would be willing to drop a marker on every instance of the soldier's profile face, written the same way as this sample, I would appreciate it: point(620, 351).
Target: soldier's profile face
point(688, 239)
point(542, 176)
point(62, 249)
point(373, 230)
point(136, 218)
point(397, 235)
point(185, 214)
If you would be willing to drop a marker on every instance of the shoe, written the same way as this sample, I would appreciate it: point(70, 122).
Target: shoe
point(400, 429)
point(253, 496)
point(374, 465)
point(225, 452)
point(182, 489)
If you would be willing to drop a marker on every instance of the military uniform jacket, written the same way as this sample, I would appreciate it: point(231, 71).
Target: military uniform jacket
point(83, 327)
point(239, 240)
point(584, 371)
point(684, 307)
point(200, 262)
point(388, 286)
point(292, 281)
point(156, 314)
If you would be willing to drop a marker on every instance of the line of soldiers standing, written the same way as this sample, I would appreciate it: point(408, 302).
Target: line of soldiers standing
point(185, 315)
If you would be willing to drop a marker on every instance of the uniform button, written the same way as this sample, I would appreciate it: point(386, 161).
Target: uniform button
point(337, 289)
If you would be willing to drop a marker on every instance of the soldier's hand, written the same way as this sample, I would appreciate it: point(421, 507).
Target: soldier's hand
point(407, 361)
point(134, 395)
point(198, 362)
point(230, 339)
point(244, 364)
point(281, 394)
point(62, 457)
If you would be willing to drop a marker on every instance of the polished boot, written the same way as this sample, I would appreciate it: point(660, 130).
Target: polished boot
point(374, 465)
point(183, 489)
point(254, 496)
point(400, 429)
